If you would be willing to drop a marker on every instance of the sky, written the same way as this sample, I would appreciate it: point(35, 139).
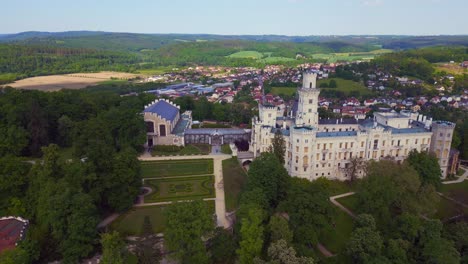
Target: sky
point(246, 17)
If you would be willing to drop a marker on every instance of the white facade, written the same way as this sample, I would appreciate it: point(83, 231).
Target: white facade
point(323, 148)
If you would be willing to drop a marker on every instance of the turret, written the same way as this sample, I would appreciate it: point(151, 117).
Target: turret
point(307, 113)
point(442, 133)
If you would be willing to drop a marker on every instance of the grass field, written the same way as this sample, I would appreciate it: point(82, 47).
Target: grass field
point(447, 209)
point(192, 149)
point(234, 178)
point(450, 68)
point(349, 202)
point(457, 191)
point(283, 90)
point(349, 56)
point(247, 54)
point(70, 81)
point(226, 149)
point(180, 188)
point(131, 223)
point(275, 59)
point(346, 86)
point(335, 238)
point(156, 169)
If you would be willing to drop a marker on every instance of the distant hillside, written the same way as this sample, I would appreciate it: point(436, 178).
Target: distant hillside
point(137, 42)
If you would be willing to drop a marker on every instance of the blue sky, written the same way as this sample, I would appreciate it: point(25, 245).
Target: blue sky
point(284, 17)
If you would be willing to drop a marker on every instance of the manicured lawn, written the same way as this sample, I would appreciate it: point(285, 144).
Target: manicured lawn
point(247, 54)
point(448, 209)
point(335, 238)
point(131, 222)
point(226, 149)
point(460, 172)
point(283, 90)
point(156, 169)
point(193, 149)
point(457, 191)
point(180, 188)
point(345, 86)
point(234, 178)
point(349, 202)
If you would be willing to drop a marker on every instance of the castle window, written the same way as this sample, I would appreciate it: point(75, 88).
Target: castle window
point(352, 143)
point(341, 145)
point(318, 146)
point(323, 174)
point(296, 168)
point(306, 141)
point(362, 144)
point(269, 115)
point(310, 110)
point(297, 159)
point(323, 156)
point(416, 141)
point(407, 141)
point(448, 135)
point(324, 146)
point(306, 149)
point(297, 148)
point(331, 146)
point(311, 101)
point(346, 145)
point(398, 143)
point(383, 143)
point(376, 143)
point(441, 134)
point(316, 166)
point(305, 169)
point(162, 130)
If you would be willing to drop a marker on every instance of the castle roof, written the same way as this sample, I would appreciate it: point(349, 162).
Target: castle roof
point(163, 109)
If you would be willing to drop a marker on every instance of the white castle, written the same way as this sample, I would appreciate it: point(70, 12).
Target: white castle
point(326, 147)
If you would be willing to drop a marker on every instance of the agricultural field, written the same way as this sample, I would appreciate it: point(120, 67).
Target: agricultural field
point(275, 59)
point(346, 86)
point(70, 81)
point(349, 56)
point(450, 68)
point(283, 90)
point(180, 188)
point(247, 54)
point(157, 169)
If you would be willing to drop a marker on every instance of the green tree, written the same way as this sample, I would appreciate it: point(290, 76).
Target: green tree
point(223, 247)
point(268, 174)
point(365, 242)
point(14, 256)
point(332, 84)
point(113, 248)
point(279, 146)
point(280, 252)
point(251, 241)
point(427, 167)
point(309, 210)
point(279, 229)
point(186, 224)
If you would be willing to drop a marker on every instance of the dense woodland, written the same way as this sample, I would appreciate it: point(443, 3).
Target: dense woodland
point(65, 195)
point(281, 219)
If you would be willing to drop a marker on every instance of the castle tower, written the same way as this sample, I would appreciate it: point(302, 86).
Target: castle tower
point(442, 133)
point(307, 113)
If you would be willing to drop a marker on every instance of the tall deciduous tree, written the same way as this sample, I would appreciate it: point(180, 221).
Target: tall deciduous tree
point(365, 242)
point(268, 174)
point(113, 248)
point(427, 166)
point(279, 146)
point(186, 224)
point(251, 243)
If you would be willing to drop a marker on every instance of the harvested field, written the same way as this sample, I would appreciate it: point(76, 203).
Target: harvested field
point(69, 81)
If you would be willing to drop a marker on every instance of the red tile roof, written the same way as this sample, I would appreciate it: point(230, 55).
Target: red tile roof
point(11, 231)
